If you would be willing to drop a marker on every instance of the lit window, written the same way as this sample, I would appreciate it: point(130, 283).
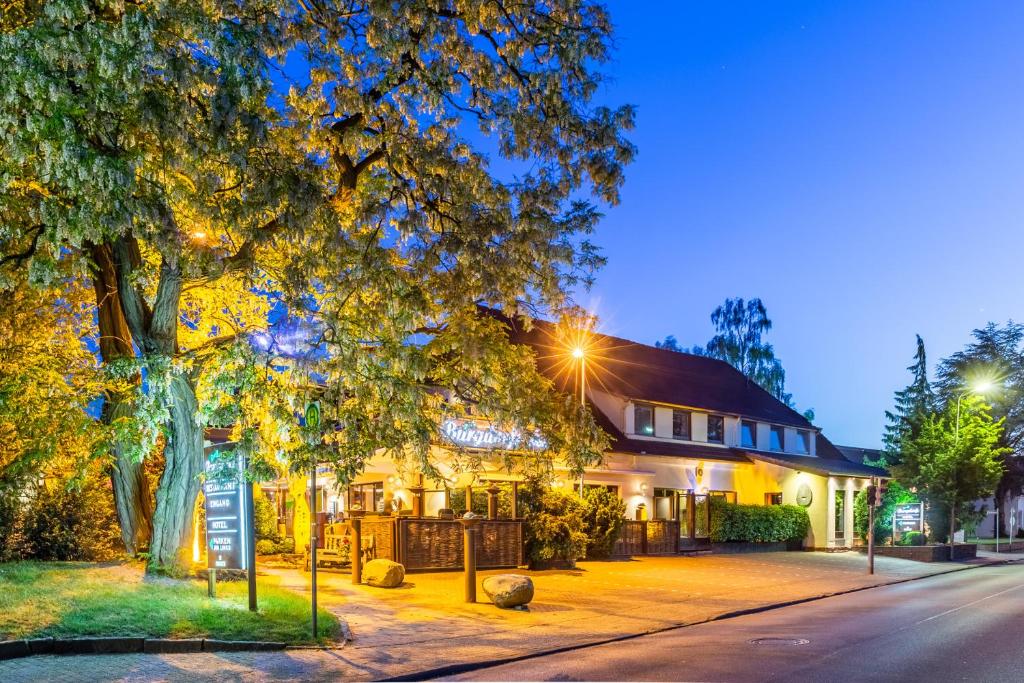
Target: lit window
point(748, 434)
point(680, 424)
point(643, 419)
point(803, 442)
point(778, 440)
point(716, 429)
point(773, 498)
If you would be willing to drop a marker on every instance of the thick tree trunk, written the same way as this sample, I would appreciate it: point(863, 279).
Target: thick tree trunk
point(132, 497)
point(179, 485)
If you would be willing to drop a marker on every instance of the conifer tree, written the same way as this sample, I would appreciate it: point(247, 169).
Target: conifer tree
point(912, 405)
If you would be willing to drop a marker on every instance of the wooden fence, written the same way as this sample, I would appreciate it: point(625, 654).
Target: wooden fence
point(667, 536)
point(423, 543)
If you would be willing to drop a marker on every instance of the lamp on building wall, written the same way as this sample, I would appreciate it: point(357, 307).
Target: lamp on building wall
point(643, 488)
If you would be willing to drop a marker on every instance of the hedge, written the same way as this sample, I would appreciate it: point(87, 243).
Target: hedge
point(757, 523)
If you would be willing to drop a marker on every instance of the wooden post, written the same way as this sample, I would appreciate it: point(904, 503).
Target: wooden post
point(469, 498)
point(492, 502)
point(357, 550)
point(417, 501)
point(469, 555)
point(250, 543)
point(515, 500)
point(211, 586)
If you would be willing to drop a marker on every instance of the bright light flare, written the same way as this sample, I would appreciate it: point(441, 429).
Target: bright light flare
point(577, 352)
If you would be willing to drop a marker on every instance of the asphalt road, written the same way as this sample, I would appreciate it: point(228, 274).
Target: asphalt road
point(964, 626)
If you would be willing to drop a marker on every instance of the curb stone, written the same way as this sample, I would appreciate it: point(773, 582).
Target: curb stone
point(465, 667)
point(14, 649)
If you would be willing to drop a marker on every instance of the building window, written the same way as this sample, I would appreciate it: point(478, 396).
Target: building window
point(680, 424)
point(610, 487)
point(773, 498)
point(727, 496)
point(840, 514)
point(643, 419)
point(778, 440)
point(748, 434)
point(666, 504)
point(716, 429)
point(803, 442)
point(369, 497)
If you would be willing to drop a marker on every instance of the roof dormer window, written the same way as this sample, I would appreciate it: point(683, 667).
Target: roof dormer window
point(643, 419)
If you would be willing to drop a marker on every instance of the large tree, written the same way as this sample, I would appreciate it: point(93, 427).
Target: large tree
point(740, 327)
point(995, 357)
point(153, 147)
point(912, 405)
point(955, 458)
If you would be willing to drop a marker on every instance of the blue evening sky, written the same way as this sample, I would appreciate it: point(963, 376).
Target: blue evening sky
point(857, 165)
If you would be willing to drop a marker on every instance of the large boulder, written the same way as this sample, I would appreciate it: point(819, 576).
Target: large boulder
point(509, 590)
point(383, 573)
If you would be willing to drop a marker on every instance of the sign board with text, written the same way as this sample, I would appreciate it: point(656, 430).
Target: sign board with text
point(908, 517)
point(226, 523)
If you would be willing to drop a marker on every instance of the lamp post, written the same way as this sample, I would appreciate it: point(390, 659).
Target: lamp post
point(579, 354)
point(978, 389)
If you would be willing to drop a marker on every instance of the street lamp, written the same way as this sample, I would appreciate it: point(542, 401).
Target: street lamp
point(979, 388)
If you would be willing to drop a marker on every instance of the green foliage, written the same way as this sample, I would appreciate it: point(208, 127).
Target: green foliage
point(359, 202)
point(895, 494)
point(264, 516)
point(912, 405)
point(265, 546)
point(914, 538)
point(553, 525)
point(603, 515)
point(72, 520)
point(951, 468)
point(11, 514)
point(757, 523)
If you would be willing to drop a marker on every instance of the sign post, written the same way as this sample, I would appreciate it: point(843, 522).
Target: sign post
point(312, 417)
point(250, 542)
point(228, 517)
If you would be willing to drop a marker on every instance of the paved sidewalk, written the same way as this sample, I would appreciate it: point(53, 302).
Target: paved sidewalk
point(425, 624)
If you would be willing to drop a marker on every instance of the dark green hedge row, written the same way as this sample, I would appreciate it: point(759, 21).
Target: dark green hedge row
point(757, 523)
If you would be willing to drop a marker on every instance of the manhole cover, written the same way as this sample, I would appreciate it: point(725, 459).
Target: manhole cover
point(778, 641)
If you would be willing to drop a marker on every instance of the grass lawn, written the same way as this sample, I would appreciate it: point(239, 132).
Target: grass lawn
point(68, 599)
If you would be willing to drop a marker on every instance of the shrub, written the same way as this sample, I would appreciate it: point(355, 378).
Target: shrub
point(603, 515)
point(757, 523)
point(265, 546)
point(914, 538)
point(72, 520)
point(264, 516)
point(11, 517)
point(552, 525)
point(894, 495)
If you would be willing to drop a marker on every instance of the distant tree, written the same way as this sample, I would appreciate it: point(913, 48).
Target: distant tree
point(740, 326)
point(996, 355)
point(951, 467)
point(669, 344)
point(912, 405)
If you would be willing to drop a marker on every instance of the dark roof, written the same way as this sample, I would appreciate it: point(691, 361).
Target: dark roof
point(623, 444)
point(638, 371)
point(818, 465)
point(858, 454)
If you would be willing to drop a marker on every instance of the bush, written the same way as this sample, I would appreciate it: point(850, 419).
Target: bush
point(72, 521)
point(265, 546)
point(552, 525)
point(603, 515)
point(11, 518)
point(913, 538)
point(894, 495)
point(731, 522)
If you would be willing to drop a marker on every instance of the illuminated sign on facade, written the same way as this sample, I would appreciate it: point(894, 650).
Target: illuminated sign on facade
point(469, 434)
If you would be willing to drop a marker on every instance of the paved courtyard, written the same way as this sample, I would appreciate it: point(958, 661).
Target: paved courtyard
point(425, 624)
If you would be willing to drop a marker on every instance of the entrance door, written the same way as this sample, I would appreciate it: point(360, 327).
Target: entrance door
point(694, 519)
